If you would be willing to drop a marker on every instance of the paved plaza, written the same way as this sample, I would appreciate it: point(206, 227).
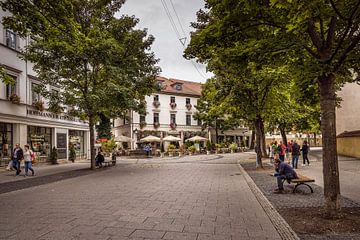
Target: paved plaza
point(198, 197)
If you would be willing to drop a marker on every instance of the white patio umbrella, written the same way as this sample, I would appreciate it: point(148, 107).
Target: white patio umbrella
point(123, 138)
point(150, 138)
point(197, 138)
point(171, 139)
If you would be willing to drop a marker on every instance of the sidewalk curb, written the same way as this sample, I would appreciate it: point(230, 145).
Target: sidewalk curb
point(282, 227)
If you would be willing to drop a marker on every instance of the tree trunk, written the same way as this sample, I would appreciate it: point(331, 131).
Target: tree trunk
point(216, 133)
point(252, 142)
point(262, 139)
point(314, 139)
point(330, 159)
point(257, 125)
point(283, 135)
point(92, 142)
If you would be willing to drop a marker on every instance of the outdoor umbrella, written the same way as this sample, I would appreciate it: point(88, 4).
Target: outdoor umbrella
point(150, 138)
point(197, 138)
point(122, 138)
point(171, 139)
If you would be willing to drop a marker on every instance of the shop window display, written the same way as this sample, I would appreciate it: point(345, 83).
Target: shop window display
point(6, 143)
point(76, 138)
point(40, 141)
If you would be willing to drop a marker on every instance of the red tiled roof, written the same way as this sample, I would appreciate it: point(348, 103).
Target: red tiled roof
point(188, 87)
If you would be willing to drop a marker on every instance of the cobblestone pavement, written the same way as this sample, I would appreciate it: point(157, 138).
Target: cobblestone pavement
point(302, 199)
point(202, 197)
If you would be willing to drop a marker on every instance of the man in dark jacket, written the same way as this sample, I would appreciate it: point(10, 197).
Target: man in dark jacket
point(295, 154)
point(305, 151)
point(283, 171)
point(17, 156)
point(99, 159)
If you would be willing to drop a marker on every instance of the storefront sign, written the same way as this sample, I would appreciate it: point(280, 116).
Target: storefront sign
point(37, 138)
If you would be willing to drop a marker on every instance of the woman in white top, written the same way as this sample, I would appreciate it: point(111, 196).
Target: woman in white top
point(27, 158)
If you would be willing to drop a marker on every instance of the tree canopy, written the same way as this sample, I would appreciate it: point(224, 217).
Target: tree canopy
point(93, 61)
point(318, 40)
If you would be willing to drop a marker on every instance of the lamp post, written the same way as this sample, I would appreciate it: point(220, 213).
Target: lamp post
point(135, 131)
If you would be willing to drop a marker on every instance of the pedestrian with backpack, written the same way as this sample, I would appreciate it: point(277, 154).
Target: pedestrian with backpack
point(28, 157)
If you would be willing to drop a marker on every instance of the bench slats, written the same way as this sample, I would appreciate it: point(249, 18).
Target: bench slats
point(302, 178)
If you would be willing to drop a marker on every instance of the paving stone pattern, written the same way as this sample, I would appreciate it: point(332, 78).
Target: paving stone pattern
point(303, 198)
point(139, 201)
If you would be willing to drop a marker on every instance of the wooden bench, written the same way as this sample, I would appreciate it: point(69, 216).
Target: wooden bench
point(108, 163)
point(301, 180)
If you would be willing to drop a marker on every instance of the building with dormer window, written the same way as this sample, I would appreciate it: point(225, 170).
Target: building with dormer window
point(171, 112)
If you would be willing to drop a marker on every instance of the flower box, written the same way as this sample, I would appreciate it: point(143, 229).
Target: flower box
point(188, 106)
point(39, 105)
point(173, 105)
point(156, 104)
point(14, 98)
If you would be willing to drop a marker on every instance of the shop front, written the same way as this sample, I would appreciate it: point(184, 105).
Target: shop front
point(40, 140)
point(6, 143)
point(77, 140)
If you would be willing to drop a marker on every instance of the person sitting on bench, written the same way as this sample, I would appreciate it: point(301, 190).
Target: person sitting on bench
point(99, 159)
point(283, 171)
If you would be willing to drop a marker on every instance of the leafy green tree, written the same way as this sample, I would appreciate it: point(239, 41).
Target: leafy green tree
point(212, 112)
point(104, 127)
point(322, 36)
point(98, 63)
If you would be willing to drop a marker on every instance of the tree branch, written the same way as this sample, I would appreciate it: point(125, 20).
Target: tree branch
point(314, 35)
point(353, 44)
point(336, 10)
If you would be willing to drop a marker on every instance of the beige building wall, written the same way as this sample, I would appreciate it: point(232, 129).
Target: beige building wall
point(348, 115)
point(348, 120)
point(345, 146)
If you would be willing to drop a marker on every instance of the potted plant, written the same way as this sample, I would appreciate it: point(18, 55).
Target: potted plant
point(172, 126)
point(173, 105)
point(188, 106)
point(171, 149)
point(14, 98)
point(54, 155)
point(208, 147)
point(72, 153)
point(192, 150)
point(156, 125)
point(142, 124)
point(217, 147)
point(233, 147)
point(39, 105)
point(156, 104)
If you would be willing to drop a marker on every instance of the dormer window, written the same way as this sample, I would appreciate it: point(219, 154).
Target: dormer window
point(178, 87)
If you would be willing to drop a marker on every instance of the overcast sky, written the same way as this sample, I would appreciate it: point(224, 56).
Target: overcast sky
point(167, 46)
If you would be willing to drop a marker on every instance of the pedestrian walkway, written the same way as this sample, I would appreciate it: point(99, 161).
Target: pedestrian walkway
point(349, 169)
point(188, 200)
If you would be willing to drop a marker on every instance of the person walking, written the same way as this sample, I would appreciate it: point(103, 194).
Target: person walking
point(295, 152)
point(17, 156)
point(28, 155)
point(282, 149)
point(305, 151)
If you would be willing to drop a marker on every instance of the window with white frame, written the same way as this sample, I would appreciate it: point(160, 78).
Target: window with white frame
point(35, 95)
point(172, 99)
point(11, 89)
point(187, 100)
point(188, 120)
point(156, 117)
point(173, 118)
point(10, 39)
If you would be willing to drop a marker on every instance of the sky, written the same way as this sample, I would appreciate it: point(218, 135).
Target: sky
point(167, 46)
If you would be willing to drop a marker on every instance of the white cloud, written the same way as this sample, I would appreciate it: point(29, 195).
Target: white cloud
point(167, 46)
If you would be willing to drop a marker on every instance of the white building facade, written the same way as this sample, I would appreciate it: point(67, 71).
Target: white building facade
point(171, 112)
point(24, 123)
